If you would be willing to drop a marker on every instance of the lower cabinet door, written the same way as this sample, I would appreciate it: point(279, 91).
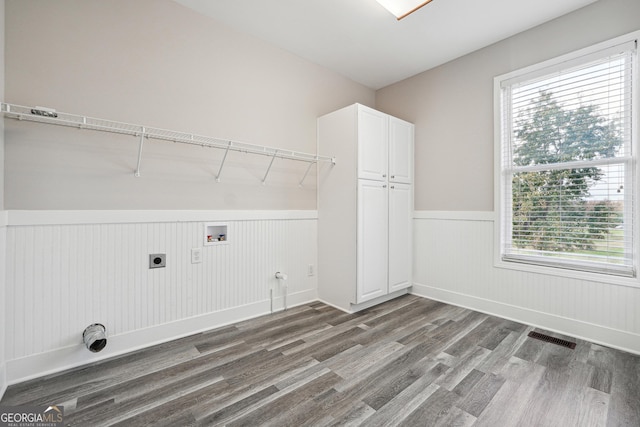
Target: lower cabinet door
point(400, 241)
point(372, 240)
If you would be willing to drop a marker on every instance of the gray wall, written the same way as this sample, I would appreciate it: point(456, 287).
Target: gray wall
point(157, 63)
point(452, 105)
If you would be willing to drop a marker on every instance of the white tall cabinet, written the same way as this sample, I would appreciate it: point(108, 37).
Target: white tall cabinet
point(365, 207)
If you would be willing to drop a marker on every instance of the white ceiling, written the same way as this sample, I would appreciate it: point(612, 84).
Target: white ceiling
point(361, 40)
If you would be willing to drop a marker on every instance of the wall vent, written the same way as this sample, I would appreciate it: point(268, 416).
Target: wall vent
point(552, 340)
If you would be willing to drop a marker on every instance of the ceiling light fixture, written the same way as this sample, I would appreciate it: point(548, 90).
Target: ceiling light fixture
point(403, 8)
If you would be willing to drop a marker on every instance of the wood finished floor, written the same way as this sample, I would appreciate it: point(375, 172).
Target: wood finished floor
point(409, 362)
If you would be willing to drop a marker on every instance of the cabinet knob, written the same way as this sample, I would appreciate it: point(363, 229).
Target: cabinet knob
point(384, 176)
point(384, 186)
point(393, 176)
point(393, 186)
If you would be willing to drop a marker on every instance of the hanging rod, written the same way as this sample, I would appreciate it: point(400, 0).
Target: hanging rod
point(49, 116)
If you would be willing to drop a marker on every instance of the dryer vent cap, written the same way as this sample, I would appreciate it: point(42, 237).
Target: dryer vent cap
point(95, 337)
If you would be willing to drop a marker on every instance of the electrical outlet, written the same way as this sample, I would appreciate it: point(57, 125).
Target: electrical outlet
point(310, 270)
point(157, 260)
point(196, 255)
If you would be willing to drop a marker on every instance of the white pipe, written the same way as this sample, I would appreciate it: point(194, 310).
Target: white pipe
point(271, 297)
point(283, 277)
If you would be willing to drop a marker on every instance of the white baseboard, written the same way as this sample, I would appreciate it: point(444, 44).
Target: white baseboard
point(609, 337)
point(359, 307)
point(354, 308)
point(38, 365)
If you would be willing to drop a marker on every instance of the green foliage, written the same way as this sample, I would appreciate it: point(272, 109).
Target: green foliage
point(550, 210)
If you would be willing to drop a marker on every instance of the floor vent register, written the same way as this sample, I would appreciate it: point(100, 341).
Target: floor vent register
point(552, 340)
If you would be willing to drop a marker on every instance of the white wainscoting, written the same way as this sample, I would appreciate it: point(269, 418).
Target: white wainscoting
point(454, 263)
point(66, 270)
point(3, 311)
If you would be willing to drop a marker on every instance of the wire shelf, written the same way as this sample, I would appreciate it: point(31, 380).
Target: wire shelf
point(48, 116)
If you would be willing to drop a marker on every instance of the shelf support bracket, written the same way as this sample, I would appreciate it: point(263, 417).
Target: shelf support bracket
point(224, 159)
point(269, 168)
point(306, 173)
point(137, 173)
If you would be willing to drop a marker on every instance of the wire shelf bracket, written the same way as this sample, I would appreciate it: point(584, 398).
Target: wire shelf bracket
point(224, 159)
point(269, 168)
point(306, 173)
point(50, 116)
point(137, 172)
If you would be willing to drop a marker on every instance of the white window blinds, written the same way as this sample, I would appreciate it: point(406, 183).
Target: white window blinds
point(567, 164)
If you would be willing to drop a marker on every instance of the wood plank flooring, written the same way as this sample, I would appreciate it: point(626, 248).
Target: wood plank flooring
point(408, 362)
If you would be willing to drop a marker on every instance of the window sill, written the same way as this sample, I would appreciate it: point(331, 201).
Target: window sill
point(611, 279)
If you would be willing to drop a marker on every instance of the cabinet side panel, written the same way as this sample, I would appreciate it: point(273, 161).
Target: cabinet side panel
point(337, 209)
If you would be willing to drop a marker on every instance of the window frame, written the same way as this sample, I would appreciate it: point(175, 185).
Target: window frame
point(544, 68)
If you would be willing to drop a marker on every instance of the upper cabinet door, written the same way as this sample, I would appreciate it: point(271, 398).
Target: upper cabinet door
point(400, 151)
point(373, 127)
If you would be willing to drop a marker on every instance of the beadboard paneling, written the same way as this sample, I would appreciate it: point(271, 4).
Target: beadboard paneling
point(454, 263)
point(61, 278)
point(3, 313)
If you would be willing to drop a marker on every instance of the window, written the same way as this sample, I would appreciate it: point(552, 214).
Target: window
point(566, 161)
